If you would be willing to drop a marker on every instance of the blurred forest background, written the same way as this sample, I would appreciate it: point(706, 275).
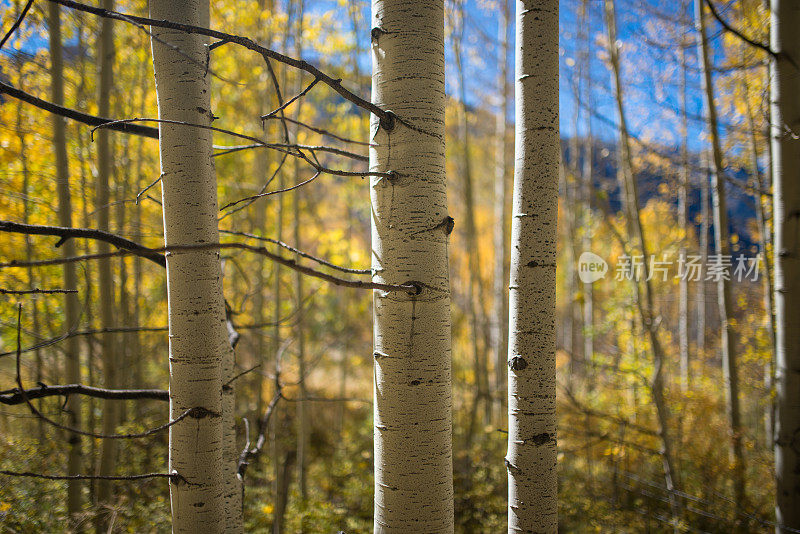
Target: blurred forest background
point(610, 450)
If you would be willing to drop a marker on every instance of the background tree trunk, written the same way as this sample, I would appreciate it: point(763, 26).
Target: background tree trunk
point(111, 361)
point(71, 305)
point(410, 228)
point(531, 458)
point(644, 304)
point(501, 223)
point(722, 241)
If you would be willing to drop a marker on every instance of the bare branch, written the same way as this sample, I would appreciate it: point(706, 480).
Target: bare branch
point(17, 22)
point(85, 118)
point(290, 248)
point(737, 33)
point(321, 131)
point(387, 118)
point(197, 412)
point(270, 193)
point(88, 233)
point(312, 148)
point(171, 476)
point(412, 287)
point(35, 290)
point(292, 150)
point(15, 396)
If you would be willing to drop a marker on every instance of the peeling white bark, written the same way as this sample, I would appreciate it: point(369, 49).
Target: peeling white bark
point(410, 228)
point(531, 459)
point(199, 349)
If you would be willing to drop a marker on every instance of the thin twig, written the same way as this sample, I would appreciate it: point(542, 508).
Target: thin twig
point(290, 248)
point(289, 102)
point(292, 150)
point(17, 22)
point(270, 193)
point(322, 131)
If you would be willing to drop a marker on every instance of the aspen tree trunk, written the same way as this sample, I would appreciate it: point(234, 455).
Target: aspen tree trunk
point(121, 185)
point(643, 303)
point(705, 226)
point(280, 453)
point(199, 346)
point(278, 494)
point(785, 111)
point(766, 205)
point(722, 242)
point(300, 331)
point(683, 215)
point(110, 358)
point(531, 458)
point(501, 223)
point(587, 190)
point(140, 359)
point(26, 201)
point(71, 305)
point(410, 228)
point(302, 371)
point(765, 240)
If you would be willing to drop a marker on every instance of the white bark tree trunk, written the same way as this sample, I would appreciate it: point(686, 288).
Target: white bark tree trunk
point(200, 353)
point(785, 86)
point(410, 228)
point(71, 305)
point(531, 459)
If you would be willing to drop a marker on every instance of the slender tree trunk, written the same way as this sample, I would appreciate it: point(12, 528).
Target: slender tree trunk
point(200, 353)
point(302, 405)
point(71, 311)
point(766, 269)
point(531, 457)
point(644, 305)
point(26, 209)
point(765, 241)
point(501, 223)
point(683, 216)
point(587, 189)
point(785, 111)
point(722, 241)
point(705, 227)
point(475, 288)
point(108, 447)
point(139, 361)
point(280, 452)
point(410, 228)
point(300, 331)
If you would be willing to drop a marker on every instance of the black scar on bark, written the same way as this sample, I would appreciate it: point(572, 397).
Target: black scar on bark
point(517, 363)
